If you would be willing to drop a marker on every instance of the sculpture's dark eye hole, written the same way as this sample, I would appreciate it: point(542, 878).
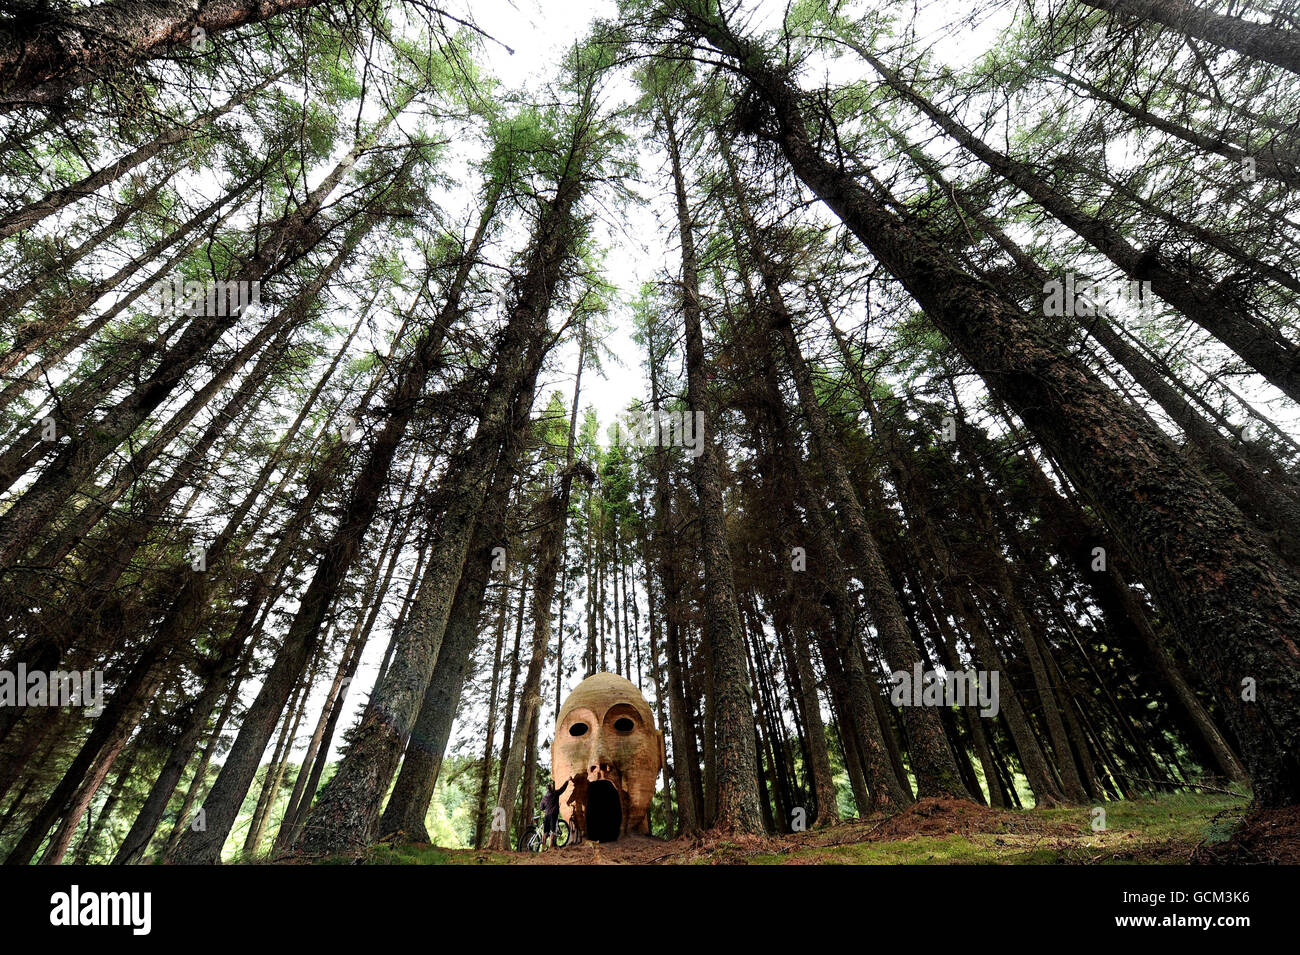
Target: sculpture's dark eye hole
point(624, 725)
point(578, 729)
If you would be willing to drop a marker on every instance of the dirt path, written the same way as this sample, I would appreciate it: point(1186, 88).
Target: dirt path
point(630, 850)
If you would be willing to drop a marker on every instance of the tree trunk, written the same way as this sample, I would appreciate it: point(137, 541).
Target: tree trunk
point(91, 445)
point(485, 770)
point(413, 791)
point(1249, 38)
point(733, 711)
point(32, 213)
point(45, 55)
point(347, 816)
point(1263, 347)
point(1232, 601)
point(932, 762)
point(550, 552)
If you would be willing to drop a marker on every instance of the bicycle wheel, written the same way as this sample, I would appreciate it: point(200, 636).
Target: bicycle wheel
point(561, 833)
point(534, 842)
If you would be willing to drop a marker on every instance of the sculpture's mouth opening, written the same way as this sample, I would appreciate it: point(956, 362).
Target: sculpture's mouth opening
point(604, 811)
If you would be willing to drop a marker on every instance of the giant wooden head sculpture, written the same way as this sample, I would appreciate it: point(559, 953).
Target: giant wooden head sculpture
point(606, 729)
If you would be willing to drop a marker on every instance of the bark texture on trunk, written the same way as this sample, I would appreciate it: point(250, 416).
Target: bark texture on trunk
point(1248, 37)
point(737, 801)
point(44, 55)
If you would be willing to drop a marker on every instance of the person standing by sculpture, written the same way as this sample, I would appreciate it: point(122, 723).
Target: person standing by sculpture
point(551, 811)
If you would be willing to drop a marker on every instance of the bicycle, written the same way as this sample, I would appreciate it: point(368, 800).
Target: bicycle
point(535, 839)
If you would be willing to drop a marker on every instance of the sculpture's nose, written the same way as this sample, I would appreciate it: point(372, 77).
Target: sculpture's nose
point(601, 762)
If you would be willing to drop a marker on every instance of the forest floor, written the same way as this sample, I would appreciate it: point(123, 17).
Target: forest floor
point(1170, 829)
